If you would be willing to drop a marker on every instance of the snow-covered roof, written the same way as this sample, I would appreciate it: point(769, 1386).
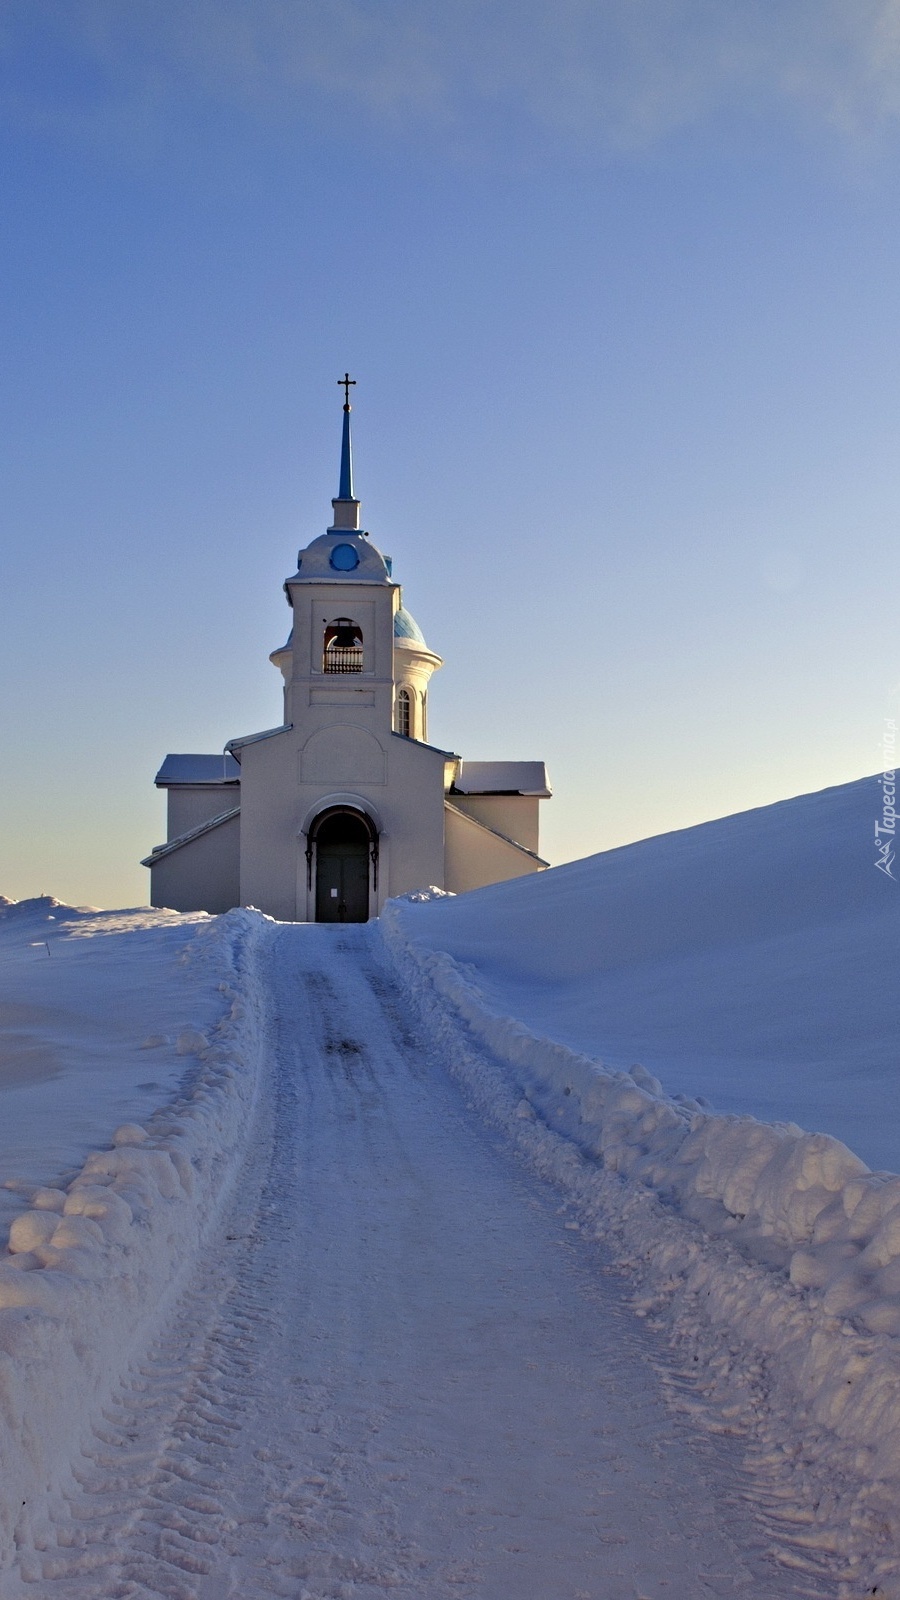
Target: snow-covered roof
point(422, 744)
point(503, 777)
point(254, 738)
point(193, 769)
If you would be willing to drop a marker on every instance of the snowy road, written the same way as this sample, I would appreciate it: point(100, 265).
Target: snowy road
point(400, 1370)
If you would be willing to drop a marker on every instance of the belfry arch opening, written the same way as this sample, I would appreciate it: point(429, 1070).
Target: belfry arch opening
point(342, 649)
point(342, 860)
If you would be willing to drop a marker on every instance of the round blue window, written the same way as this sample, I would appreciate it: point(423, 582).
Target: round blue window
point(344, 558)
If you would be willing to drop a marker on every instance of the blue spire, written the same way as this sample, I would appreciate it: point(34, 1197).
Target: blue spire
point(345, 492)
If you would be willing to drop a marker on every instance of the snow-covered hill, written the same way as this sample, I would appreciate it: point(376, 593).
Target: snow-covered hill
point(258, 1335)
point(752, 961)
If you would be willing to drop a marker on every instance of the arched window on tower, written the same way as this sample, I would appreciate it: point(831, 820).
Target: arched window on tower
point(424, 731)
point(403, 713)
point(343, 650)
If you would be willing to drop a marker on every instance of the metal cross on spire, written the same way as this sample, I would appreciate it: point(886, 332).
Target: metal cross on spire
point(345, 492)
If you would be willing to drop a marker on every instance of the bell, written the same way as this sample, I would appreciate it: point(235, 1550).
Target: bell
point(345, 636)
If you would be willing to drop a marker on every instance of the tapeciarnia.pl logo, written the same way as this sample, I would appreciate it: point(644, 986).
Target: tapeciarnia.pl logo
point(885, 830)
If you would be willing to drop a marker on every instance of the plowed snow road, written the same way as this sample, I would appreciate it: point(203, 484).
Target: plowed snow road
point(398, 1371)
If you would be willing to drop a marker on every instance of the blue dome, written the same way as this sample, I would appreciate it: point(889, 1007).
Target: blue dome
point(406, 627)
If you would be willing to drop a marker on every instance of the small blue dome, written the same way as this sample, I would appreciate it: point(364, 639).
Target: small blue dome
point(406, 627)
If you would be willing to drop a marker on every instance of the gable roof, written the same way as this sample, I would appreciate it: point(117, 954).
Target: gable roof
point(254, 738)
point(194, 769)
point(503, 777)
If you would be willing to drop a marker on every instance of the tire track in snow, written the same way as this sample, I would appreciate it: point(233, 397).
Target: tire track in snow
point(398, 1371)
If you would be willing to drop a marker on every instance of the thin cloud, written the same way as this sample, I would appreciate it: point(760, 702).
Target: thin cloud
point(608, 74)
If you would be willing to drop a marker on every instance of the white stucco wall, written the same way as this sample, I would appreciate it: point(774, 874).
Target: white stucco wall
point(203, 875)
point(516, 815)
point(370, 606)
point(474, 857)
point(280, 785)
point(191, 804)
point(413, 667)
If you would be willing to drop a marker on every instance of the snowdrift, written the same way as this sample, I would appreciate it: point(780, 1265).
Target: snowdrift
point(93, 1266)
point(751, 961)
point(772, 1255)
point(787, 1198)
point(763, 1247)
point(83, 996)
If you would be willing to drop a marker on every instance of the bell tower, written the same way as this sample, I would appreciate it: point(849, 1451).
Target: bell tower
point(352, 646)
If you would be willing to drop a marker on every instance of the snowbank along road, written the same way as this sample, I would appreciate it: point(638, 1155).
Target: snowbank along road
point(404, 1367)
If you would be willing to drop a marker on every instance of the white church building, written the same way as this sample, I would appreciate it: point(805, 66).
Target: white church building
point(344, 803)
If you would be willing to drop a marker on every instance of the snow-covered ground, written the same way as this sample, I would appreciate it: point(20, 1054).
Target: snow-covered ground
point(386, 1287)
point(753, 961)
point(96, 1257)
point(392, 1355)
point(84, 996)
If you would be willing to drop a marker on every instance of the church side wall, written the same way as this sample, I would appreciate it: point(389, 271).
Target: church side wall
point(475, 858)
point(516, 815)
point(191, 804)
point(414, 818)
point(203, 875)
point(270, 813)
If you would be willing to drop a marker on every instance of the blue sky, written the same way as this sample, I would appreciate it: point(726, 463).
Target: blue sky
point(619, 284)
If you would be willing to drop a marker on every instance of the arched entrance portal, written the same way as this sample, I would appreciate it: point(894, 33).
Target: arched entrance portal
point(345, 842)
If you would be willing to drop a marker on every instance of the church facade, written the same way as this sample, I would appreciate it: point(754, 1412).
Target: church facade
point(344, 803)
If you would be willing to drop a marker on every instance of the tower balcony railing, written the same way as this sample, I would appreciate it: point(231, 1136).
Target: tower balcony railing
point(344, 658)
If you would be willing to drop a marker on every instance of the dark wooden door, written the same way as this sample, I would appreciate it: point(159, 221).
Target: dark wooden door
point(342, 870)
